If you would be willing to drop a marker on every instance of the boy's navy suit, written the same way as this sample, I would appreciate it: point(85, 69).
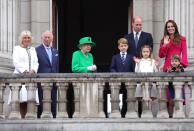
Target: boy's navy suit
point(45, 66)
point(118, 66)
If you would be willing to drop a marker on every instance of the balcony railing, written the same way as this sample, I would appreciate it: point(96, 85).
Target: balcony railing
point(89, 90)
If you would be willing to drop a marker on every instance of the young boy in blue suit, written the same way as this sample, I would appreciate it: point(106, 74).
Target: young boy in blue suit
point(122, 62)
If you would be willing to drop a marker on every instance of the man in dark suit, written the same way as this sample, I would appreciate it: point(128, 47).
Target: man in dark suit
point(48, 60)
point(136, 40)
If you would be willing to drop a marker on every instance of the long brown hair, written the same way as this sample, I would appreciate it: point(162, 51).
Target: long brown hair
point(176, 33)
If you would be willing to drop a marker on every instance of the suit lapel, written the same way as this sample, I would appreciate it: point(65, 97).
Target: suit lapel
point(132, 38)
point(53, 56)
point(140, 39)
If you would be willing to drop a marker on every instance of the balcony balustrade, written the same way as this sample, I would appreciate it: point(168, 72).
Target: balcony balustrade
point(89, 94)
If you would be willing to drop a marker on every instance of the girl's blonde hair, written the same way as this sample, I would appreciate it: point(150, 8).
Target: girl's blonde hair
point(150, 56)
point(25, 33)
point(146, 46)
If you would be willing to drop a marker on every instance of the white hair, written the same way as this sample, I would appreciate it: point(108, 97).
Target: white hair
point(25, 33)
point(45, 32)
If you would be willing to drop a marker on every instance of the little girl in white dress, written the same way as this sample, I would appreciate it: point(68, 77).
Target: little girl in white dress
point(146, 64)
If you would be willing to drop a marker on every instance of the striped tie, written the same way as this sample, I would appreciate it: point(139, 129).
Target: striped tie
point(123, 58)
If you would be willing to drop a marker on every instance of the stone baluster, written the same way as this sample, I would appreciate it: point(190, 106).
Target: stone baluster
point(46, 87)
point(2, 87)
point(100, 100)
point(191, 114)
point(90, 100)
point(31, 97)
point(76, 87)
point(179, 113)
point(187, 93)
point(15, 104)
point(162, 100)
point(131, 100)
point(115, 100)
point(62, 88)
point(146, 113)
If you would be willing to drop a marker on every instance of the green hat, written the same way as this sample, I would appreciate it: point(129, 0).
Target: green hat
point(86, 40)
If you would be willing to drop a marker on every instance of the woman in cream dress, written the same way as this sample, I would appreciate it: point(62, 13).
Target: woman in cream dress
point(25, 61)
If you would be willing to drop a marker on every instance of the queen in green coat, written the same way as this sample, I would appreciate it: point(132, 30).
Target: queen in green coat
point(82, 60)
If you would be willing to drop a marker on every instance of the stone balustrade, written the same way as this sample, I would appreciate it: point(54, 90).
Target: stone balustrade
point(90, 90)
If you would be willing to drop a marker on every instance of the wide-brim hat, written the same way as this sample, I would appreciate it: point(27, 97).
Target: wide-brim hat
point(86, 40)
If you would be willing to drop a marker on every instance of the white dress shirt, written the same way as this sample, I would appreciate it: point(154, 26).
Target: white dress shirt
point(21, 59)
point(121, 53)
point(134, 34)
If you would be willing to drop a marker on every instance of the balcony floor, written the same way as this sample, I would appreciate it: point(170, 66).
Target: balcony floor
point(98, 124)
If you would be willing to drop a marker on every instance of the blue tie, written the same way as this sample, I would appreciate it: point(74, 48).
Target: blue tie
point(49, 53)
point(136, 39)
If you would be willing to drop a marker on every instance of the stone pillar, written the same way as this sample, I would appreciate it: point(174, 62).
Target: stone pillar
point(100, 100)
point(146, 113)
point(131, 100)
point(142, 6)
point(46, 87)
point(2, 87)
point(15, 104)
point(191, 115)
point(115, 99)
point(178, 113)
point(76, 87)
point(62, 87)
point(8, 33)
point(162, 100)
point(40, 18)
point(31, 103)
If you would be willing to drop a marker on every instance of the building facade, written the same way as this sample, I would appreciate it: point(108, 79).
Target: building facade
point(40, 15)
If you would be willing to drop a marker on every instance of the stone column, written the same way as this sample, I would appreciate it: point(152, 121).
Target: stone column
point(8, 32)
point(76, 87)
point(100, 100)
point(142, 6)
point(146, 113)
point(31, 103)
point(178, 113)
point(2, 87)
point(62, 87)
point(40, 18)
point(115, 99)
point(191, 115)
point(15, 104)
point(162, 100)
point(46, 87)
point(131, 100)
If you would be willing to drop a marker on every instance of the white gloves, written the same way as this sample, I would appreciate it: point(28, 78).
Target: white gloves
point(92, 68)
